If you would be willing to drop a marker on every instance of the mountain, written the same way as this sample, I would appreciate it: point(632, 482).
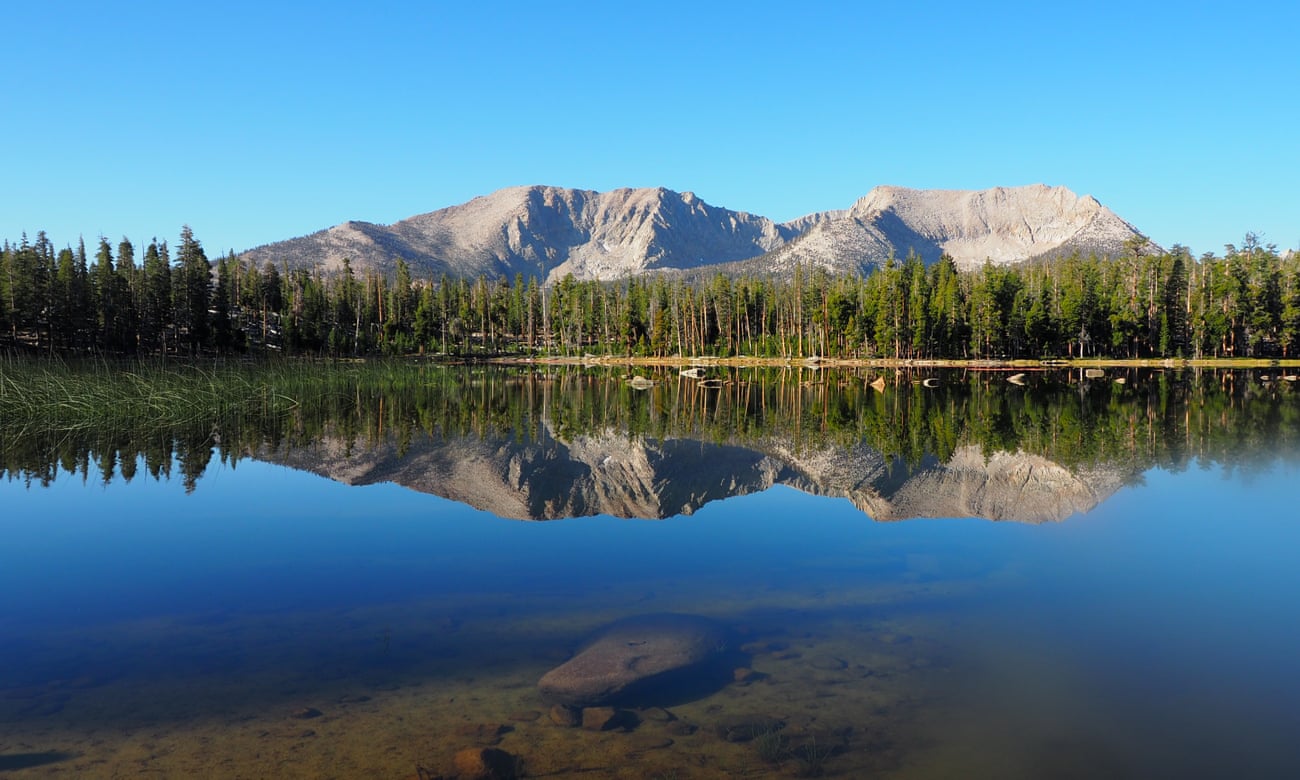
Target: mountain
point(1001, 225)
point(610, 235)
point(528, 230)
point(612, 474)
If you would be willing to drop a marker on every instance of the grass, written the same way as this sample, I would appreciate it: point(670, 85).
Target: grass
point(70, 397)
point(45, 395)
point(772, 746)
point(812, 759)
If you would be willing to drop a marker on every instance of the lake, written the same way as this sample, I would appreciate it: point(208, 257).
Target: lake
point(923, 574)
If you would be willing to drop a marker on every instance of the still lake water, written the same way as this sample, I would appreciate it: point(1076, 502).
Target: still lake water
point(372, 594)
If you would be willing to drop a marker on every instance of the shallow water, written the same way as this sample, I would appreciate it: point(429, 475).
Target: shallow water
point(274, 622)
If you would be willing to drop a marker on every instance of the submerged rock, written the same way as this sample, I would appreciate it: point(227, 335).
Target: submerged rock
point(605, 719)
point(633, 658)
point(486, 764)
point(563, 715)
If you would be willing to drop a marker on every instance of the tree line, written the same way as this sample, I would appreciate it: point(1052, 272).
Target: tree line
point(1140, 304)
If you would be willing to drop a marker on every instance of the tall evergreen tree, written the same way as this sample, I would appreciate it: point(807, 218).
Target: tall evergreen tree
point(1173, 335)
point(127, 294)
point(224, 304)
point(104, 290)
point(6, 277)
point(194, 294)
point(156, 303)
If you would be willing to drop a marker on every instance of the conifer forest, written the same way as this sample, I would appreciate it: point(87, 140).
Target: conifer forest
point(174, 300)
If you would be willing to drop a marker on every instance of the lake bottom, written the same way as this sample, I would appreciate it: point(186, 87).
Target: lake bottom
point(903, 681)
point(1129, 642)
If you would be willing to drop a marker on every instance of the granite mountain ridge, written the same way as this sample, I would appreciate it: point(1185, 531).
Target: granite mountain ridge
point(551, 232)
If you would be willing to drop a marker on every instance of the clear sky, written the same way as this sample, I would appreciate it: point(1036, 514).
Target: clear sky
point(258, 121)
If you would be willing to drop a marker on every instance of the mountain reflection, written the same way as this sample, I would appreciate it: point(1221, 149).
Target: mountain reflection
point(545, 443)
point(611, 473)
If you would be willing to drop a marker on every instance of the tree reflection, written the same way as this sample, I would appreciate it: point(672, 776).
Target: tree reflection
point(1134, 419)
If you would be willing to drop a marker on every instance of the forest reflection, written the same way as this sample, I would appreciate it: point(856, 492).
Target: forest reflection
point(652, 442)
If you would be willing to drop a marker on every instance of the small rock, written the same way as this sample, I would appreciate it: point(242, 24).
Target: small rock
point(643, 743)
point(785, 655)
point(485, 764)
point(306, 713)
point(599, 718)
point(353, 699)
point(743, 674)
point(563, 715)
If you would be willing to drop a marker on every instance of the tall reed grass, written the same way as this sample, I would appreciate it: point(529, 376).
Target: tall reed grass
point(50, 395)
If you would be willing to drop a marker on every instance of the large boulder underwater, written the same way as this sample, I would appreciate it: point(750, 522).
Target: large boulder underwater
point(643, 660)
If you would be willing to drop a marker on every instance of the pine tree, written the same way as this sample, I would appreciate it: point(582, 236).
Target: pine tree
point(225, 337)
point(105, 293)
point(1173, 336)
point(6, 275)
point(127, 294)
point(156, 302)
point(270, 296)
point(194, 295)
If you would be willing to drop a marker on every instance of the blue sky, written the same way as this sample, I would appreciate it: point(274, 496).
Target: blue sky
point(254, 122)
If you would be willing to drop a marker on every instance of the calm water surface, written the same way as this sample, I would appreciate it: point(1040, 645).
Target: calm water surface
point(272, 621)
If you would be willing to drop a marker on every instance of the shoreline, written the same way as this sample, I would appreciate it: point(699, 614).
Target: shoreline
point(894, 363)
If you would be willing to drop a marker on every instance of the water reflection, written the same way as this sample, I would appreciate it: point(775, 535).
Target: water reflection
point(195, 599)
point(553, 443)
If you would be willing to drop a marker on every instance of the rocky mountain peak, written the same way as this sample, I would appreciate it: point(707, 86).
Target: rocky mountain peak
point(554, 231)
point(1000, 225)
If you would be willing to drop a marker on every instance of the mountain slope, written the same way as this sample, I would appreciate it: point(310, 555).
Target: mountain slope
point(552, 231)
point(531, 230)
point(1001, 225)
